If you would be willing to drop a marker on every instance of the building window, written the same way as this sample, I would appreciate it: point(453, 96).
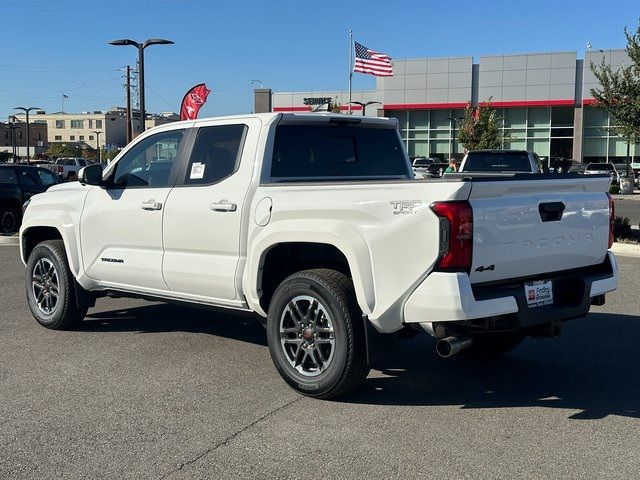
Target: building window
point(90, 123)
point(81, 138)
point(77, 124)
point(98, 123)
point(59, 123)
point(72, 137)
point(58, 138)
point(601, 144)
point(90, 137)
point(547, 131)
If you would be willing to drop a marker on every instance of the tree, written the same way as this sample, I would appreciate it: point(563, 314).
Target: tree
point(619, 92)
point(57, 150)
point(480, 129)
point(110, 154)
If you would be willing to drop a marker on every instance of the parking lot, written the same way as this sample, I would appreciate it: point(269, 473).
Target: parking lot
point(145, 390)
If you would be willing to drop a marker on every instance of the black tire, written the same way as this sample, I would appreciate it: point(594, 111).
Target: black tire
point(64, 313)
point(9, 220)
point(347, 367)
point(493, 345)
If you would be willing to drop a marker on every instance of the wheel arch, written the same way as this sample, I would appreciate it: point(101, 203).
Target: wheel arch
point(342, 249)
point(30, 236)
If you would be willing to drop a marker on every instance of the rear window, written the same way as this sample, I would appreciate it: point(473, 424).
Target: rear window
point(497, 162)
point(600, 166)
point(340, 151)
point(8, 175)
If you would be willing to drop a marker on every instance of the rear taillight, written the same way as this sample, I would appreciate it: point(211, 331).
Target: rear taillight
point(456, 236)
point(612, 218)
point(60, 169)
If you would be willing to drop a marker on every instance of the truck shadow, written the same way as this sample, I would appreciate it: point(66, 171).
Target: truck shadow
point(158, 318)
point(593, 369)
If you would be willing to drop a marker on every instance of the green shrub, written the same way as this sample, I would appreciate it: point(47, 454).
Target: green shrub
point(622, 228)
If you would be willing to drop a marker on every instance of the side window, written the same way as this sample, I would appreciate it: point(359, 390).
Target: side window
point(47, 178)
point(150, 162)
point(215, 154)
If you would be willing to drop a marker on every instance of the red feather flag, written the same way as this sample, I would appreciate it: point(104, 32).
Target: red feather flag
point(193, 101)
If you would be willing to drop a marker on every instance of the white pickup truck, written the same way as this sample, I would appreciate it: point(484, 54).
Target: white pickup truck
point(316, 223)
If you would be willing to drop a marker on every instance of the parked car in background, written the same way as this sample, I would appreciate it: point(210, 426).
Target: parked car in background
point(18, 183)
point(68, 167)
point(603, 168)
point(557, 165)
point(424, 167)
point(431, 168)
point(635, 167)
point(501, 161)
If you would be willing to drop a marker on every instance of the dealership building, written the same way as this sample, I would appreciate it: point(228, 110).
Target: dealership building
point(544, 100)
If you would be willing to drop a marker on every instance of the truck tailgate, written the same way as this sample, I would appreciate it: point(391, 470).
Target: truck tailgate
point(527, 227)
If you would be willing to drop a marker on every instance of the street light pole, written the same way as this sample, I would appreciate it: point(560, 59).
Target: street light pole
point(141, 47)
point(98, 145)
point(454, 124)
point(26, 111)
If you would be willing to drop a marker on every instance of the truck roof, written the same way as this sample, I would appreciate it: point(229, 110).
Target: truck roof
point(292, 117)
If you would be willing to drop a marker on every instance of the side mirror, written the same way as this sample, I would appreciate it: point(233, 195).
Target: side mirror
point(90, 175)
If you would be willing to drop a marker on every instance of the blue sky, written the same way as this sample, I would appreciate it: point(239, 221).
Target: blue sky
point(51, 46)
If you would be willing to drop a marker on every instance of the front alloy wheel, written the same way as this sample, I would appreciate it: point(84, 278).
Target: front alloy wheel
point(45, 286)
point(50, 287)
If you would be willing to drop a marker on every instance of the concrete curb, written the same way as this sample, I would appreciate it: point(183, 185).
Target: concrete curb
point(9, 240)
point(626, 249)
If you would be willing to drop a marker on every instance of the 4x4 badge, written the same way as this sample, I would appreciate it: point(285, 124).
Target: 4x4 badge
point(484, 269)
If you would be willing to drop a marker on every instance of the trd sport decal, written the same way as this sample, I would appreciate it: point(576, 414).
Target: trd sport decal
point(405, 207)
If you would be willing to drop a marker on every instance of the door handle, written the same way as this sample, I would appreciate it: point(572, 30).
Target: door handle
point(151, 205)
point(224, 207)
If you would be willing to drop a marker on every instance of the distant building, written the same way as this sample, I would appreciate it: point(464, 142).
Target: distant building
point(544, 100)
point(153, 120)
point(81, 127)
point(15, 134)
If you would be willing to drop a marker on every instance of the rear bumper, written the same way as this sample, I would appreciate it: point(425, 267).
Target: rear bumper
point(450, 297)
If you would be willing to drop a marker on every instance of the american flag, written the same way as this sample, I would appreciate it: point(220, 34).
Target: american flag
point(375, 63)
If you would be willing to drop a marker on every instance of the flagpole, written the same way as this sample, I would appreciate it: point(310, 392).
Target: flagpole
point(350, 65)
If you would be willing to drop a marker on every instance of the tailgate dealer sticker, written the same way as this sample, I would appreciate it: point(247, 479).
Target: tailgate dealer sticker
point(539, 293)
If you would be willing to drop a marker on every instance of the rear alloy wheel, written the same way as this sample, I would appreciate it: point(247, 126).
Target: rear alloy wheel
point(307, 337)
point(51, 288)
point(8, 220)
point(316, 334)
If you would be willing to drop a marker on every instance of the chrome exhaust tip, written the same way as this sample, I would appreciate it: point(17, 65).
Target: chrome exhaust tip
point(447, 347)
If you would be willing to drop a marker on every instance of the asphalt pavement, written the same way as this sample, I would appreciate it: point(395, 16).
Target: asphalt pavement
point(146, 390)
point(628, 206)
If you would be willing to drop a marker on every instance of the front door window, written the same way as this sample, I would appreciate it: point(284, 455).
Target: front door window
point(150, 163)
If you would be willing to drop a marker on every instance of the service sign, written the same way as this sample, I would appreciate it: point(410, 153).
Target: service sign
point(316, 100)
